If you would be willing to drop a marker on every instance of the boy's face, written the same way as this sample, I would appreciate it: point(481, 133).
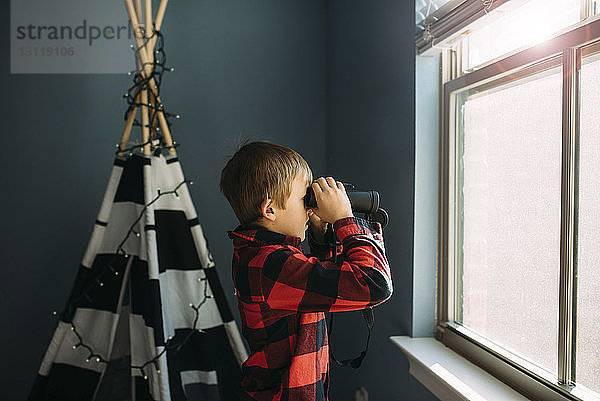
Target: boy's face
point(293, 220)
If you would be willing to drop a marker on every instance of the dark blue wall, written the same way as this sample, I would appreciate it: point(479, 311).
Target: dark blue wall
point(370, 142)
point(243, 70)
point(333, 80)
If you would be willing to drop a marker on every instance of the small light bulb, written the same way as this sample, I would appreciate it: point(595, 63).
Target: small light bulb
point(74, 347)
point(177, 116)
point(170, 337)
point(172, 69)
point(157, 370)
point(199, 279)
point(54, 313)
point(101, 284)
point(145, 377)
point(191, 305)
point(87, 359)
point(137, 234)
point(97, 359)
point(116, 273)
point(73, 328)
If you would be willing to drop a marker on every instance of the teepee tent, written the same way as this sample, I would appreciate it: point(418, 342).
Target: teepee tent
point(147, 318)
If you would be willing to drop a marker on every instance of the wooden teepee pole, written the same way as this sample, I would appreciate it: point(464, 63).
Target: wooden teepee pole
point(149, 29)
point(147, 70)
point(145, 122)
point(137, 30)
point(160, 14)
point(137, 97)
point(138, 9)
point(129, 124)
point(145, 101)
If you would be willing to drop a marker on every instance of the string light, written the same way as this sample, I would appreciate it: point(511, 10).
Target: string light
point(141, 81)
point(170, 344)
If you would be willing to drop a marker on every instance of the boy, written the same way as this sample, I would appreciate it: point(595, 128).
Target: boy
point(282, 293)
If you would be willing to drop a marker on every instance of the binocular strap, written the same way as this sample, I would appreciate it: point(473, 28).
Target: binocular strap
point(353, 363)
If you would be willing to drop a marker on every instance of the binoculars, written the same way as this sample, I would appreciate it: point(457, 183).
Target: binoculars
point(366, 202)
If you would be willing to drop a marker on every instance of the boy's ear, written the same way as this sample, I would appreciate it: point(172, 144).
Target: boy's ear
point(266, 209)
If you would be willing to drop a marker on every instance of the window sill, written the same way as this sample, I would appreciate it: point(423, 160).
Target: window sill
point(449, 376)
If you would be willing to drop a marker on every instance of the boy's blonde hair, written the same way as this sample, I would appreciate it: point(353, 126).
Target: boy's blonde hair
point(257, 171)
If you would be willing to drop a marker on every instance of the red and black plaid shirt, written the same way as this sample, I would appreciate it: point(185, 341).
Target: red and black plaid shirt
point(283, 294)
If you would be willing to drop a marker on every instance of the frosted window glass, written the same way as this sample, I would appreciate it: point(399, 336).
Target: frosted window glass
point(525, 26)
point(511, 217)
point(588, 293)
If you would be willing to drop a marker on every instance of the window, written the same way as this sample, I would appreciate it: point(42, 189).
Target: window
point(508, 222)
point(516, 27)
point(588, 266)
point(519, 260)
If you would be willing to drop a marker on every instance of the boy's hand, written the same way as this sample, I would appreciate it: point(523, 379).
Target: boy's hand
point(332, 202)
point(317, 226)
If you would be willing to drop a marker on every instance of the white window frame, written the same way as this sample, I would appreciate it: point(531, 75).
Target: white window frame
point(566, 50)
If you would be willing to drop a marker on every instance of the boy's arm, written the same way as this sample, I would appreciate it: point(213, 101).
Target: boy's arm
point(292, 281)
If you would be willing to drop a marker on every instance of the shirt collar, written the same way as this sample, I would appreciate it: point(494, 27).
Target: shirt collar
point(260, 236)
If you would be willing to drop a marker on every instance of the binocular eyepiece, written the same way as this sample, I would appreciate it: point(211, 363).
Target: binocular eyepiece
point(366, 202)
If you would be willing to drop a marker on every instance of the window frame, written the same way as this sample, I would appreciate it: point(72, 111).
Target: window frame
point(567, 50)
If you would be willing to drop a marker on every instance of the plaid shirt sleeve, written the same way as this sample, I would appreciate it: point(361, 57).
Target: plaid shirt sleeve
point(293, 281)
point(322, 250)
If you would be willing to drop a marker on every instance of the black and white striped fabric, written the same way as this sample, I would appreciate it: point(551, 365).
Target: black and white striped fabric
point(144, 300)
